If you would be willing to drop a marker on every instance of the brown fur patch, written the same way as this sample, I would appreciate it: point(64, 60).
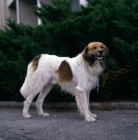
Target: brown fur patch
point(64, 71)
point(35, 62)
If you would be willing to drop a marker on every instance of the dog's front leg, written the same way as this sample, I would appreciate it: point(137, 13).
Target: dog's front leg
point(88, 101)
point(82, 103)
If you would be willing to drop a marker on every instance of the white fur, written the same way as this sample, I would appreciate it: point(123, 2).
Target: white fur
point(85, 78)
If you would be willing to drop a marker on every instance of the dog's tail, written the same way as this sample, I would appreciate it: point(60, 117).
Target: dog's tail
point(30, 84)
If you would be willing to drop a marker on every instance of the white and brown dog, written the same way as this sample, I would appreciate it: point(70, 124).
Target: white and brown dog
point(78, 75)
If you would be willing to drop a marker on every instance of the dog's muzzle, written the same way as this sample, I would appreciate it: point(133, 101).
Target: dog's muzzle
point(99, 55)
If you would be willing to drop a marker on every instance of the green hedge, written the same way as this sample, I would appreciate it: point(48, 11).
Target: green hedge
point(65, 32)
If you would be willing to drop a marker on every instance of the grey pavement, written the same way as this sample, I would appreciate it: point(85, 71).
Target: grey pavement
point(67, 124)
point(72, 105)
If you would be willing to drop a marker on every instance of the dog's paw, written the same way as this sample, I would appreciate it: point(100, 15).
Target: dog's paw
point(44, 115)
point(93, 115)
point(27, 116)
point(90, 119)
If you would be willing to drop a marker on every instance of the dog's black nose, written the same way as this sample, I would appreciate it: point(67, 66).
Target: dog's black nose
point(100, 51)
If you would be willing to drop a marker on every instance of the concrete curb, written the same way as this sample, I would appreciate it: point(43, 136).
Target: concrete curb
point(72, 105)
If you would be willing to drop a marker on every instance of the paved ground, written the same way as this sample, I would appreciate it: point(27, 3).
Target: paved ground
point(68, 125)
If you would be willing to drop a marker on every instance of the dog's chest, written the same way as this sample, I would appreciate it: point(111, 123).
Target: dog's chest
point(90, 82)
point(90, 77)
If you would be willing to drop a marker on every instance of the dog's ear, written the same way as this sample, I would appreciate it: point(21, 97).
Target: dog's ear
point(87, 58)
point(106, 50)
point(85, 52)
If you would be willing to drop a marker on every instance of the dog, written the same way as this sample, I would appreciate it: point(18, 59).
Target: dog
point(77, 75)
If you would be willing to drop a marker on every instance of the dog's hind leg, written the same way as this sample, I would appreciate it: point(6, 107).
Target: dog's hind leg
point(35, 88)
point(27, 104)
point(41, 98)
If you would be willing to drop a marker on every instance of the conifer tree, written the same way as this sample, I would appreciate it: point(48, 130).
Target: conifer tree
point(65, 32)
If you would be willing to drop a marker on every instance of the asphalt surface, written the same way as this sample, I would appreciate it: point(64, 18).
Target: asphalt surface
point(67, 124)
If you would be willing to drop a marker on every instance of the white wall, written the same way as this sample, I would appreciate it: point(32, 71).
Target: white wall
point(83, 2)
point(3, 13)
point(26, 12)
point(9, 2)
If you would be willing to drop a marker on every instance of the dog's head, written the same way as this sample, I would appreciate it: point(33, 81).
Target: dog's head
point(95, 51)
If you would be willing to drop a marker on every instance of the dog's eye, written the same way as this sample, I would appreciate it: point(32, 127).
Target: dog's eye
point(94, 48)
point(102, 47)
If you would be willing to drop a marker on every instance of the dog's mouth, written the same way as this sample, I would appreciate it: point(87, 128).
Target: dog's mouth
point(99, 58)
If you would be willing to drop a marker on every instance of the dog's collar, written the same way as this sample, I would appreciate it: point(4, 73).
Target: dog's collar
point(97, 88)
point(97, 84)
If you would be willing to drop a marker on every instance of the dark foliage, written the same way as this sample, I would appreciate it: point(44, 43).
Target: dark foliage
point(65, 32)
